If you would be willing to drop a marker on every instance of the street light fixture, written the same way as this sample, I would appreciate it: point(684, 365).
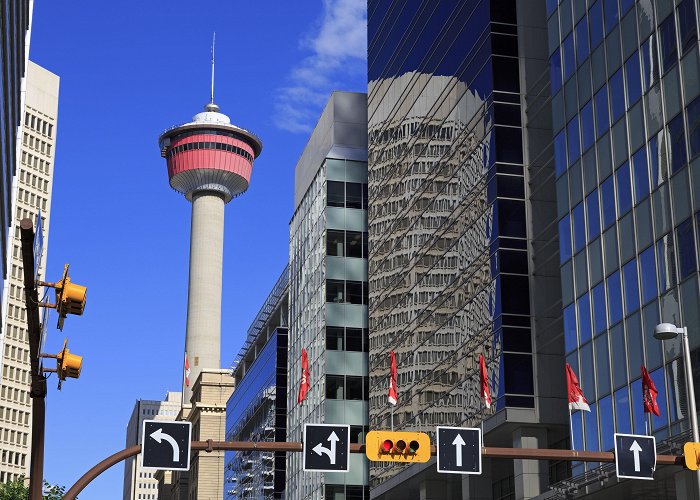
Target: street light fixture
point(668, 331)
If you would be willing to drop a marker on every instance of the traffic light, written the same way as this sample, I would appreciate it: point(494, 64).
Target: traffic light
point(691, 451)
point(67, 365)
point(387, 446)
point(70, 297)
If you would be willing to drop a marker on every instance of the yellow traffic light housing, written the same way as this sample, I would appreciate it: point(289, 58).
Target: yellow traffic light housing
point(68, 365)
point(691, 451)
point(387, 446)
point(70, 297)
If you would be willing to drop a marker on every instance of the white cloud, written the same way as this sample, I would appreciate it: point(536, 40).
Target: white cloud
point(338, 49)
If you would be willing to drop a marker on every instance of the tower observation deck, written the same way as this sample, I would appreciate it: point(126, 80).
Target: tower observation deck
point(209, 161)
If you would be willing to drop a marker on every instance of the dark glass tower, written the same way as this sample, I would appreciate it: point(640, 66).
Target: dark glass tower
point(625, 108)
point(462, 232)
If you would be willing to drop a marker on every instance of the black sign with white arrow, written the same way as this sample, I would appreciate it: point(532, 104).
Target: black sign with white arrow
point(635, 456)
point(166, 445)
point(326, 448)
point(458, 450)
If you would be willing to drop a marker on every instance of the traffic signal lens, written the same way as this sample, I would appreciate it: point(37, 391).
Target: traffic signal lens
point(413, 446)
point(400, 446)
point(387, 446)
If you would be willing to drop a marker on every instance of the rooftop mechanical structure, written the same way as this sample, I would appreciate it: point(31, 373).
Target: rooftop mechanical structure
point(209, 161)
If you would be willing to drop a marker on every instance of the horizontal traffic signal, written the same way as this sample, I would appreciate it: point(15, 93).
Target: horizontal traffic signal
point(387, 446)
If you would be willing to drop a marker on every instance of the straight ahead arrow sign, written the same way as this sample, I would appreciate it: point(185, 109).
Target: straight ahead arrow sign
point(458, 443)
point(636, 449)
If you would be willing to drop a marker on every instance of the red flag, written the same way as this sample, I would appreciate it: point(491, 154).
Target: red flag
point(649, 393)
point(484, 377)
point(577, 401)
point(393, 392)
point(304, 386)
point(187, 371)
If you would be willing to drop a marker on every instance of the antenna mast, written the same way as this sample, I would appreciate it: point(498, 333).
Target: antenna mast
point(213, 43)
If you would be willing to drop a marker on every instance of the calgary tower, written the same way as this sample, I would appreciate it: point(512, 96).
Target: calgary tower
point(209, 161)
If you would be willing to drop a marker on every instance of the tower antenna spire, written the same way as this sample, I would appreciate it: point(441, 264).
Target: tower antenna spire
point(213, 44)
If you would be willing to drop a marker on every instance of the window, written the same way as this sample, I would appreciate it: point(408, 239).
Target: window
point(582, 48)
point(633, 78)
point(587, 128)
point(617, 96)
point(593, 215)
point(555, 71)
point(669, 51)
point(584, 318)
point(676, 136)
point(579, 227)
point(602, 115)
point(568, 56)
point(599, 310)
point(354, 244)
point(353, 195)
point(335, 243)
point(595, 20)
point(650, 64)
point(686, 25)
point(693, 111)
point(648, 262)
point(614, 298)
point(574, 142)
point(624, 189)
point(336, 194)
point(629, 276)
point(564, 239)
point(560, 153)
point(611, 15)
point(607, 196)
point(687, 262)
point(641, 175)
point(353, 292)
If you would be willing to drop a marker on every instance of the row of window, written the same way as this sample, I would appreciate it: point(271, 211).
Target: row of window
point(219, 146)
point(346, 243)
point(14, 374)
point(14, 416)
point(13, 458)
point(347, 292)
point(346, 194)
point(340, 338)
point(36, 144)
point(34, 200)
point(14, 394)
point(347, 387)
point(34, 180)
point(15, 437)
point(35, 162)
point(38, 124)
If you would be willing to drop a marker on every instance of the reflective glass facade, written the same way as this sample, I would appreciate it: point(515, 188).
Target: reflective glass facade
point(625, 110)
point(462, 223)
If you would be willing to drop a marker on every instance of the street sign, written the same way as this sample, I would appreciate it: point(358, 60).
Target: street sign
point(635, 456)
point(326, 448)
point(458, 450)
point(166, 445)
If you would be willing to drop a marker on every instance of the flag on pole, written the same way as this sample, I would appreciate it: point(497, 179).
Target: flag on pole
point(577, 401)
point(304, 386)
point(484, 377)
point(649, 393)
point(393, 392)
point(187, 371)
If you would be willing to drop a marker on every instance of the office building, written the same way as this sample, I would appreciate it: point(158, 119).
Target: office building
point(257, 409)
point(328, 293)
point(139, 484)
point(462, 238)
point(31, 195)
point(625, 115)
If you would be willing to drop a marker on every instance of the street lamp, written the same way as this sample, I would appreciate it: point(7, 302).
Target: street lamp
point(668, 331)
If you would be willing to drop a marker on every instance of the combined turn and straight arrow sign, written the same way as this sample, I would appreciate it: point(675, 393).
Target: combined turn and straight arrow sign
point(319, 449)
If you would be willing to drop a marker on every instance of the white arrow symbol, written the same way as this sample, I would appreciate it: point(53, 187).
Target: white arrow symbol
point(459, 442)
point(159, 435)
point(636, 449)
point(319, 450)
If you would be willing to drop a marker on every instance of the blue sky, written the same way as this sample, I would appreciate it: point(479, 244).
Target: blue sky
point(129, 70)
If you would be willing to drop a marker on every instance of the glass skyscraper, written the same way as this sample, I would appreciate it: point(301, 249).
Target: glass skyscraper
point(463, 237)
point(625, 81)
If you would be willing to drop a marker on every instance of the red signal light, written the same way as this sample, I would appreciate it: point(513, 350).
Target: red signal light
point(387, 446)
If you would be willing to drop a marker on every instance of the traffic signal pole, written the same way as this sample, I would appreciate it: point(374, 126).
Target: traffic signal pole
point(508, 453)
point(38, 380)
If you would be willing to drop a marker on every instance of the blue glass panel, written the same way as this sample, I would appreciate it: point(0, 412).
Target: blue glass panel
point(694, 127)
point(656, 179)
point(568, 56)
point(623, 418)
point(560, 153)
point(614, 298)
point(611, 15)
point(638, 415)
point(617, 95)
point(650, 64)
point(687, 262)
point(591, 419)
point(658, 377)
point(641, 175)
point(551, 6)
point(570, 342)
point(625, 5)
point(584, 319)
point(587, 127)
point(673, 384)
point(577, 430)
point(677, 143)
point(607, 427)
point(595, 20)
point(593, 215)
point(687, 30)
point(669, 50)
point(579, 231)
point(573, 140)
point(607, 198)
point(619, 355)
point(624, 189)
point(602, 114)
point(555, 71)
point(582, 48)
point(666, 263)
point(634, 79)
point(647, 263)
point(600, 320)
point(629, 275)
point(564, 239)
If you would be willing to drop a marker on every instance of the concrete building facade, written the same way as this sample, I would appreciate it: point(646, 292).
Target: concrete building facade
point(328, 293)
point(31, 195)
point(138, 483)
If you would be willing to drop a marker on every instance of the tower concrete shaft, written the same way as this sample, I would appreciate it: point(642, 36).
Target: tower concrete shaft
point(203, 337)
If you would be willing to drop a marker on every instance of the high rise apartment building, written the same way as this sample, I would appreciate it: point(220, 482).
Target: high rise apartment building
point(31, 196)
point(626, 124)
point(462, 237)
point(140, 484)
point(328, 293)
point(257, 409)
